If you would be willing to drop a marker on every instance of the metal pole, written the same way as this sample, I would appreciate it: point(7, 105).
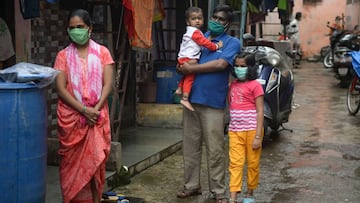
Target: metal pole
point(211, 7)
point(243, 16)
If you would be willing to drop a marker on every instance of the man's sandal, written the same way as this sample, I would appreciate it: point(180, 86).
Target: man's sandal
point(222, 200)
point(189, 192)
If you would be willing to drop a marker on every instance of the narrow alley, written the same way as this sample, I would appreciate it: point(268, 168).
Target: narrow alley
point(318, 162)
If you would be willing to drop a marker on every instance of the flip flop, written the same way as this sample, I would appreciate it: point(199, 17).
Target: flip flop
point(248, 200)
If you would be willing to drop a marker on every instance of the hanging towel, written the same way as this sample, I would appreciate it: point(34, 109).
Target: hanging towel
point(138, 20)
point(159, 12)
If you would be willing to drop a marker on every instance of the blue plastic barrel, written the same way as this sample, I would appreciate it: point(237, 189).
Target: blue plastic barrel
point(167, 81)
point(23, 143)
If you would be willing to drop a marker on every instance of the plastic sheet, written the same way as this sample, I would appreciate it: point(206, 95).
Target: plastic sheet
point(32, 74)
point(356, 61)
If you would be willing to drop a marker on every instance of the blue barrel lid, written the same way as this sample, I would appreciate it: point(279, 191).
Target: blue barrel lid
point(11, 85)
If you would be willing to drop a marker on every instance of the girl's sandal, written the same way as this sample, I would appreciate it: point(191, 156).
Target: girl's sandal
point(248, 200)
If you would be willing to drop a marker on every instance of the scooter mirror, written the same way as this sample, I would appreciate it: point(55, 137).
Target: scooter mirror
point(248, 37)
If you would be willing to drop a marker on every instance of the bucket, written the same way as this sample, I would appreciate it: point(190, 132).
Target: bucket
point(23, 141)
point(167, 80)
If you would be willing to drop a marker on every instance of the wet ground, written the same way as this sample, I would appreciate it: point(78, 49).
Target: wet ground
point(318, 162)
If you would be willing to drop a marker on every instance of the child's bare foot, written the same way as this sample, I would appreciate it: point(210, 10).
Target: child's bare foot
point(185, 102)
point(178, 91)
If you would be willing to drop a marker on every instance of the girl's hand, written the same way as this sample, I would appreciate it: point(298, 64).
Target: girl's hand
point(257, 142)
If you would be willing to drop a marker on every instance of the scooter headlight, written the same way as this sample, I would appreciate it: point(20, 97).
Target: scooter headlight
point(273, 59)
point(272, 81)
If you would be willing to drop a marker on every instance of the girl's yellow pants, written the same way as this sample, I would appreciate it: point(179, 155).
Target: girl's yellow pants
point(241, 152)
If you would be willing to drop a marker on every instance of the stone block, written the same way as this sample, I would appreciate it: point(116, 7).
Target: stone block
point(159, 115)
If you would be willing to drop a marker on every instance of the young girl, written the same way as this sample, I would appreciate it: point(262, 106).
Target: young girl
point(246, 105)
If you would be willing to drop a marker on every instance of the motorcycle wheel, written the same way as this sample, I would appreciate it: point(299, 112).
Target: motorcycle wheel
point(327, 61)
point(353, 96)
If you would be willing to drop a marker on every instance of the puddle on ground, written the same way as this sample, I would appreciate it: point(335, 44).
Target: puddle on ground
point(357, 172)
point(307, 163)
point(308, 148)
point(330, 152)
point(285, 175)
point(283, 195)
point(349, 157)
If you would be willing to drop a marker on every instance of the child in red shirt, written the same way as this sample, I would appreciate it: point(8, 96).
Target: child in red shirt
point(192, 42)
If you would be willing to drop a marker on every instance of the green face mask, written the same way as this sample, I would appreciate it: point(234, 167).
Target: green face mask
point(79, 35)
point(215, 28)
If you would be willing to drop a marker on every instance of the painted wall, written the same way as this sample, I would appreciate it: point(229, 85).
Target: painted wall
point(352, 14)
point(313, 28)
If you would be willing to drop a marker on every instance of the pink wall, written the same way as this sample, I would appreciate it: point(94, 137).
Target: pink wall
point(352, 14)
point(313, 24)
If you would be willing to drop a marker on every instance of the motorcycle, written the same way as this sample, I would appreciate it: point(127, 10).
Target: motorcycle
point(342, 66)
point(277, 81)
point(334, 39)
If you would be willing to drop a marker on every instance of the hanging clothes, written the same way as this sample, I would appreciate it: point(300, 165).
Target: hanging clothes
point(30, 8)
point(270, 5)
point(159, 12)
point(71, 4)
point(255, 11)
point(6, 44)
point(138, 18)
point(284, 9)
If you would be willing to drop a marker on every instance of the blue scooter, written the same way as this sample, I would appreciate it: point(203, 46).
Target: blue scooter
point(277, 80)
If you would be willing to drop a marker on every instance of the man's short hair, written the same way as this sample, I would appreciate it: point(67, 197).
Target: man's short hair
point(227, 10)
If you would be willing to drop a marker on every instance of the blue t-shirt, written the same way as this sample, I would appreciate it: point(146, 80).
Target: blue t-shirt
point(210, 89)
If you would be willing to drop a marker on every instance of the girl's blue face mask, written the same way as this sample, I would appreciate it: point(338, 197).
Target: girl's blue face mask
point(241, 72)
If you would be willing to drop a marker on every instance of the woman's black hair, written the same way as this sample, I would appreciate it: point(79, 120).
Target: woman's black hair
point(252, 67)
point(83, 14)
point(251, 63)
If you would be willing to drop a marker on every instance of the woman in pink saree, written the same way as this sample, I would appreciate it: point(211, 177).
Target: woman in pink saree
point(83, 85)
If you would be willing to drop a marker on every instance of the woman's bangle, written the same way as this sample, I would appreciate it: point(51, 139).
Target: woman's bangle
point(84, 109)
